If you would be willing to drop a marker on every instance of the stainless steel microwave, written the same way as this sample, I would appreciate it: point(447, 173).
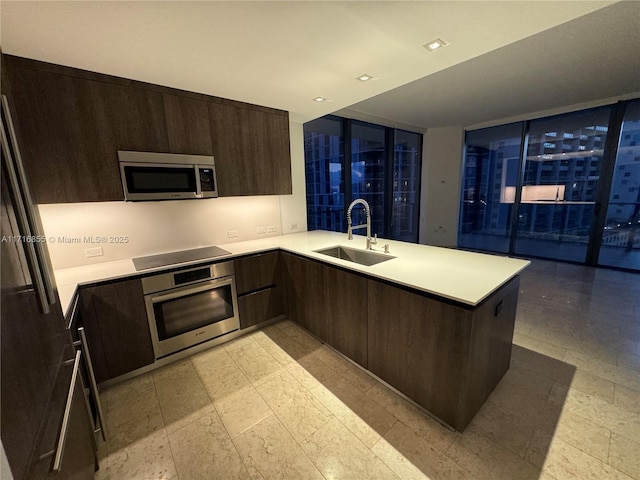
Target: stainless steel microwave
point(167, 176)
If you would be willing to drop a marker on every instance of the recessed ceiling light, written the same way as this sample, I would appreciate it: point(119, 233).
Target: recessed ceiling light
point(436, 44)
point(319, 99)
point(365, 77)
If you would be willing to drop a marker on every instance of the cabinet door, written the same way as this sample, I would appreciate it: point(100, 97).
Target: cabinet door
point(306, 302)
point(251, 147)
point(420, 346)
point(71, 128)
point(256, 271)
point(188, 126)
point(257, 307)
point(346, 295)
point(115, 320)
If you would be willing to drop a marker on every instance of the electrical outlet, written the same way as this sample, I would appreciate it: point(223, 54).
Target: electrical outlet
point(93, 252)
point(232, 233)
point(260, 230)
point(271, 228)
point(293, 226)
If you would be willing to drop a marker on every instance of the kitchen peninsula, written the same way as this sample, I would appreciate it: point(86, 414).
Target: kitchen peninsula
point(434, 323)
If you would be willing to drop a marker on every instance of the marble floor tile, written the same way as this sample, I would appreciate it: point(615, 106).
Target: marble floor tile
point(129, 433)
point(584, 435)
point(429, 429)
point(149, 457)
point(627, 398)
point(507, 430)
point(255, 362)
point(269, 451)
point(559, 459)
point(203, 450)
point(624, 454)
point(220, 375)
point(358, 378)
point(130, 400)
point(337, 453)
point(411, 456)
point(487, 460)
point(181, 395)
point(598, 411)
point(242, 410)
point(365, 408)
point(300, 412)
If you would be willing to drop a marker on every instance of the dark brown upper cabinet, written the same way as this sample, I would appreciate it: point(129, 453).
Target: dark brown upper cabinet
point(72, 122)
point(188, 126)
point(71, 129)
point(251, 149)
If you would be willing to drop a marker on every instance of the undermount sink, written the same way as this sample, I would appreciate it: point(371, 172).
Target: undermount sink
point(363, 257)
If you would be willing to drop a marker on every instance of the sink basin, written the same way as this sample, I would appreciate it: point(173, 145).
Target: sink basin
point(362, 257)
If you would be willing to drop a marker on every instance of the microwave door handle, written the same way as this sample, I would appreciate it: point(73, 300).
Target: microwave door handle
point(31, 216)
point(29, 249)
point(196, 169)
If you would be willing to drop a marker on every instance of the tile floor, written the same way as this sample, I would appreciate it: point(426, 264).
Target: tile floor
point(279, 404)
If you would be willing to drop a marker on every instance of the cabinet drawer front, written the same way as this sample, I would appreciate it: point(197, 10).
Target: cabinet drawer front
point(256, 271)
point(259, 307)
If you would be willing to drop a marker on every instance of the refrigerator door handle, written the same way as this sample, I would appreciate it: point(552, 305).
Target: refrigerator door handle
point(25, 232)
point(32, 217)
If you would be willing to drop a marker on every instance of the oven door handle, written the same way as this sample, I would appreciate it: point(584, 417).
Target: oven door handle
point(211, 285)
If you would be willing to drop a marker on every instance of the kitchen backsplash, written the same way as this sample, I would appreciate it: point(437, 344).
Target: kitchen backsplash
point(130, 229)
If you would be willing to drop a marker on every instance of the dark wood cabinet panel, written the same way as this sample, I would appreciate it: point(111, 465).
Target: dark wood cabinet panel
point(306, 299)
point(188, 127)
point(115, 321)
point(71, 129)
point(251, 148)
point(72, 122)
point(256, 271)
point(346, 307)
point(491, 340)
point(419, 346)
point(257, 307)
point(259, 287)
point(79, 458)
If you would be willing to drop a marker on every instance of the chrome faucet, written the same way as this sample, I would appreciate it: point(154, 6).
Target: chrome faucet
point(367, 212)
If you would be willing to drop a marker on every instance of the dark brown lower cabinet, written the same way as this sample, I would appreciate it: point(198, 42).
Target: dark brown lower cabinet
point(346, 295)
point(306, 297)
point(115, 321)
point(257, 307)
point(445, 357)
point(330, 303)
point(259, 287)
point(75, 442)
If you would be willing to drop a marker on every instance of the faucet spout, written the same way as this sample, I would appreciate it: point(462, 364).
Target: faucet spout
point(351, 228)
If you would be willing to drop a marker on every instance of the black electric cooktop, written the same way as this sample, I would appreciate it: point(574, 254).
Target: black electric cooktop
point(172, 258)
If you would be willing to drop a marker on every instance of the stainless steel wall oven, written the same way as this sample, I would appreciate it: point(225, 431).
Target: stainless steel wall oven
point(191, 306)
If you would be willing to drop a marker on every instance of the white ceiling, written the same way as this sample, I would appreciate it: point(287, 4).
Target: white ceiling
point(283, 54)
point(592, 58)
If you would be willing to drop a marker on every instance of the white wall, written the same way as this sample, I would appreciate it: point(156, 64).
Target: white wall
point(5, 471)
point(156, 227)
point(293, 208)
point(440, 198)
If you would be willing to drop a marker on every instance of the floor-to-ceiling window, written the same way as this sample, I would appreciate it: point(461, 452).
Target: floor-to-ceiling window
point(621, 235)
point(565, 187)
point(561, 174)
point(383, 167)
point(324, 166)
point(368, 173)
point(491, 165)
point(407, 170)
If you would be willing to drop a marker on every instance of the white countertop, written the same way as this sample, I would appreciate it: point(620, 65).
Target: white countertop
point(465, 277)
